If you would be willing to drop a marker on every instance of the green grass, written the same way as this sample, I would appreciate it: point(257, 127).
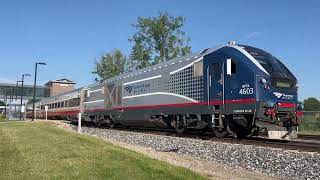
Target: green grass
point(310, 125)
point(38, 151)
point(2, 118)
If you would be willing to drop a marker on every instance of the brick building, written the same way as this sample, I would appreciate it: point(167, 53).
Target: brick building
point(60, 86)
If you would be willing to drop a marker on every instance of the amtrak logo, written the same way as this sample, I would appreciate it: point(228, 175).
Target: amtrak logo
point(142, 88)
point(283, 96)
point(278, 95)
point(129, 88)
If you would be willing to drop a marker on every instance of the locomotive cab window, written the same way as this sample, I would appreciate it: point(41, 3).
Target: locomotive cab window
point(233, 67)
point(281, 77)
point(198, 69)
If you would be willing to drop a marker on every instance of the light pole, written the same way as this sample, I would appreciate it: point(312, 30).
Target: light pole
point(34, 86)
point(16, 91)
point(16, 94)
point(22, 81)
point(5, 104)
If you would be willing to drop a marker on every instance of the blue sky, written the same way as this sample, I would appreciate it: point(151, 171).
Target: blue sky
point(70, 34)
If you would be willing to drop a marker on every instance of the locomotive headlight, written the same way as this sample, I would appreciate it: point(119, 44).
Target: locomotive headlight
point(264, 81)
point(269, 104)
point(265, 84)
point(300, 106)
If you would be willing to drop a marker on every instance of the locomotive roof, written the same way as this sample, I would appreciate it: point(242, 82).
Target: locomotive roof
point(192, 57)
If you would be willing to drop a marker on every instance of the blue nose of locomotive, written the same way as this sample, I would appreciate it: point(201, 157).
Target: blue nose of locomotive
point(271, 94)
point(278, 104)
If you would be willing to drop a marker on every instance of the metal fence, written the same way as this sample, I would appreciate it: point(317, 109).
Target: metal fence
point(310, 122)
point(13, 110)
point(311, 116)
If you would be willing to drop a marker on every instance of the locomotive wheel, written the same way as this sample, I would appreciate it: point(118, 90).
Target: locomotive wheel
point(180, 126)
point(180, 129)
point(242, 127)
point(98, 121)
point(112, 124)
point(242, 133)
point(219, 132)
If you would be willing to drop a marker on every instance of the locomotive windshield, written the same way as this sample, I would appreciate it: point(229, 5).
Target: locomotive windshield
point(280, 75)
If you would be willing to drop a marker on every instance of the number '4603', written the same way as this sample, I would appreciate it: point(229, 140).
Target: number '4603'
point(245, 91)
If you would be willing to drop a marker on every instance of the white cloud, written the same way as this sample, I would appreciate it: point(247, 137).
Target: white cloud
point(252, 35)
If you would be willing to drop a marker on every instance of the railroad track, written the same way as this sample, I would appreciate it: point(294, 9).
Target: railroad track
point(299, 145)
point(309, 137)
point(305, 143)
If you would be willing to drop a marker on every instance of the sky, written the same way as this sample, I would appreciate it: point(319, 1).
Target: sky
point(69, 35)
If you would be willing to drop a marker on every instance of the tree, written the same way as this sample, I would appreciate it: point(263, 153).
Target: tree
point(111, 64)
point(2, 103)
point(311, 104)
point(158, 39)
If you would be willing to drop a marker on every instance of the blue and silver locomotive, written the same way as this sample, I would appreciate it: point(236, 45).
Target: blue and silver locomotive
point(234, 90)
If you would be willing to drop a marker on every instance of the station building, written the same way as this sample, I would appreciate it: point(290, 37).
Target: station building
point(51, 88)
point(60, 86)
point(11, 93)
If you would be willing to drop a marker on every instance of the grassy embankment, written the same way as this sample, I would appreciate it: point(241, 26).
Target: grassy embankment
point(2, 118)
point(37, 151)
point(310, 125)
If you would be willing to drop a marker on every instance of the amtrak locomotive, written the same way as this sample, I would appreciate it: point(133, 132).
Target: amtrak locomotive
point(232, 90)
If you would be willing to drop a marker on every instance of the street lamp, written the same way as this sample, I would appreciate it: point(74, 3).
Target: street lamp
point(16, 91)
point(22, 81)
point(5, 105)
point(16, 94)
point(34, 86)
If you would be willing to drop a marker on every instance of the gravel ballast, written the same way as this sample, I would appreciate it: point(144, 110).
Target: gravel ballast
point(274, 162)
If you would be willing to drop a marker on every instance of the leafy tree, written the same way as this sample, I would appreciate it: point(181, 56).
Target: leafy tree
point(140, 55)
point(311, 104)
point(158, 39)
point(2, 103)
point(111, 64)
